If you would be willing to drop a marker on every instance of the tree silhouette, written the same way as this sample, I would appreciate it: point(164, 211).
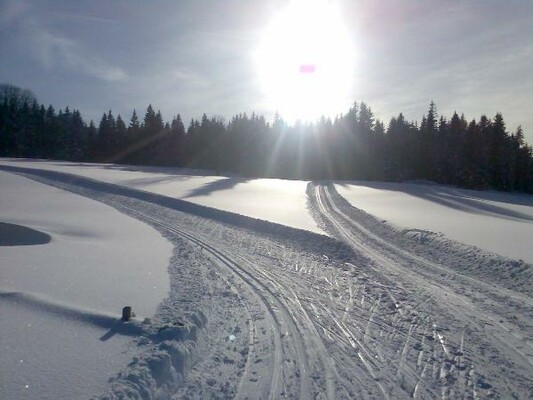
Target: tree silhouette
point(476, 154)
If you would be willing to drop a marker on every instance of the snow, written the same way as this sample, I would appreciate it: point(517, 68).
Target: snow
point(97, 260)
point(253, 309)
point(276, 200)
point(45, 356)
point(493, 221)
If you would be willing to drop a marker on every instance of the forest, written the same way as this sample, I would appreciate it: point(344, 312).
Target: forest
point(477, 154)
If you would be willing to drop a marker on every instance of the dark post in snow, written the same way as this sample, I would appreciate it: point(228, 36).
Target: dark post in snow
point(126, 313)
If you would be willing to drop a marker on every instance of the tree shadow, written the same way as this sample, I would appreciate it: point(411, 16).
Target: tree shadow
point(305, 240)
point(154, 180)
point(469, 201)
point(215, 186)
point(181, 173)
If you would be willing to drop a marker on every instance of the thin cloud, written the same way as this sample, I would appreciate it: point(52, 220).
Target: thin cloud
point(82, 17)
point(189, 77)
point(55, 50)
point(226, 35)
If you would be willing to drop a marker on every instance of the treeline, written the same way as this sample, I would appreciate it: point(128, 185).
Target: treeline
point(475, 154)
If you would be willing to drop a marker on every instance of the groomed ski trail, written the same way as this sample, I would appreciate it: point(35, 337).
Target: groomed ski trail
point(477, 332)
point(285, 355)
point(320, 319)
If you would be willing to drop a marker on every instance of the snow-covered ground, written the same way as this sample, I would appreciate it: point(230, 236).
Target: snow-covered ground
point(59, 297)
point(261, 310)
point(276, 200)
point(493, 221)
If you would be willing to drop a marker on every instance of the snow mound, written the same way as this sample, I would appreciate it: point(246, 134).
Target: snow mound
point(103, 191)
point(276, 200)
point(170, 344)
point(169, 353)
point(494, 221)
point(420, 235)
point(470, 260)
point(19, 235)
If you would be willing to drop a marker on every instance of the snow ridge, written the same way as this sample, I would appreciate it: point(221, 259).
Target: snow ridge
point(167, 350)
point(167, 356)
point(172, 341)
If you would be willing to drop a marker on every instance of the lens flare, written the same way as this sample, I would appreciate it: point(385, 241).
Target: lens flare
point(305, 61)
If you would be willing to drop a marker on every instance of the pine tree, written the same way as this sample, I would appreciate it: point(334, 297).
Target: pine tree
point(427, 153)
point(150, 120)
point(134, 122)
point(158, 123)
point(120, 127)
point(91, 148)
point(431, 119)
point(177, 126)
point(120, 131)
point(498, 162)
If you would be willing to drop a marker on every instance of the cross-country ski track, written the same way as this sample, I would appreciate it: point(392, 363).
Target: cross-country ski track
point(258, 310)
point(463, 308)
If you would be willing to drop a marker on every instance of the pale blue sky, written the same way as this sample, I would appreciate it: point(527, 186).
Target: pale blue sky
point(191, 57)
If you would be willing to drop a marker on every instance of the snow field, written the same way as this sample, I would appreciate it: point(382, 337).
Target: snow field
point(97, 257)
point(496, 222)
point(257, 309)
point(276, 200)
point(60, 298)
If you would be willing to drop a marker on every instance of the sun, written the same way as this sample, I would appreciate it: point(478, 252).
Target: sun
point(305, 61)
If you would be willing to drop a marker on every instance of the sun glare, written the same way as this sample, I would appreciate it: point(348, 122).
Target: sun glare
point(305, 61)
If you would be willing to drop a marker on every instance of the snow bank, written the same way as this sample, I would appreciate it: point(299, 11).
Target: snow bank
point(102, 191)
point(97, 257)
point(168, 354)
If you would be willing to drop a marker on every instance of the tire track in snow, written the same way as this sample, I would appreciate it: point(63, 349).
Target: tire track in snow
point(307, 340)
point(271, 379)
point(319, 196)
point(333, 323)
point(326, 192)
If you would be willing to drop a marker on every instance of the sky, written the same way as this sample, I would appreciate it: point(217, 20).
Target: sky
point(227, 57)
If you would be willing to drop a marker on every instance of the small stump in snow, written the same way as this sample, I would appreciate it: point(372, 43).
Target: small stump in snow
point(126, 313)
